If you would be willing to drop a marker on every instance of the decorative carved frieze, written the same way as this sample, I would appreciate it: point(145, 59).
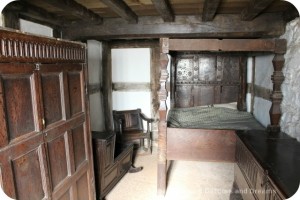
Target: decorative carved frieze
point(26, 48)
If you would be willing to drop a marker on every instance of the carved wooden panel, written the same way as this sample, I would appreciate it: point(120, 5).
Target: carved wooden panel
point(205, 79)
point(24, 169)
point(45, 148)
point(185, 69)
point(79, 145)
point(52, 97)
point(82, 187)
point(203, 95)
point(229, 94)
point(66, 139)
point(75, 92)
point(18, 100)
point(57, 152)
point(183, 97)
point(207, 68)
point(27, 172)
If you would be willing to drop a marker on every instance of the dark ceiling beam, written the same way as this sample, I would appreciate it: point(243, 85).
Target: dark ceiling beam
point(121, 9)
point(254, 8)
point(75, 9)
point(209, 9)
point(290, 13)
point(163, 7)
point(35, 14)
point(223, 26)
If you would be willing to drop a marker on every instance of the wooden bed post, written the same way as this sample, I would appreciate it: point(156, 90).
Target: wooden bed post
point(162, 129)
point(277, 79)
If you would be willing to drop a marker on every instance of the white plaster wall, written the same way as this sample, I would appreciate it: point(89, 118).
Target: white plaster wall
point(1, 19)
point(34, 28)
point(131, 65)
point(290, 120)
point(94, 56)
point(263, 71)
point(249, 80)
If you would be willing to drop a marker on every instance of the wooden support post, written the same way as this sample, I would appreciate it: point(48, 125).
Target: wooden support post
point(277, 79)
point(162, 128)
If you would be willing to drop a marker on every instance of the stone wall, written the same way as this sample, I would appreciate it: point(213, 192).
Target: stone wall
point(290, 120)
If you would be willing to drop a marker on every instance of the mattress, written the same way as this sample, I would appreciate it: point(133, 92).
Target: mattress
point(212, 118)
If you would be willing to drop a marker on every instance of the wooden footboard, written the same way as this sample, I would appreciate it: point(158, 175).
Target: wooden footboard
point(201, 144)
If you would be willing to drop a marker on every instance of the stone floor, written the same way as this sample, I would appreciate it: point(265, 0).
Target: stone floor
point(187, 180)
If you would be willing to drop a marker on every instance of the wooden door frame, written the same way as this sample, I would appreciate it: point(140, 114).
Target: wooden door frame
point(107, 77)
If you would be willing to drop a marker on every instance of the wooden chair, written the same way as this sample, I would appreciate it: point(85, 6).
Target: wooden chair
point(129, 127)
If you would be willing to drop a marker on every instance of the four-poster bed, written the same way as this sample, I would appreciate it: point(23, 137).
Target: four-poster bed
point(210, 143)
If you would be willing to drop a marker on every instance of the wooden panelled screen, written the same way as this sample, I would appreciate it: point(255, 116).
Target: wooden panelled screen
point(45, 145)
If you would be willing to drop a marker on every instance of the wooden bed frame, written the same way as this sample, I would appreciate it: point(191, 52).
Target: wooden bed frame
point(203, 144)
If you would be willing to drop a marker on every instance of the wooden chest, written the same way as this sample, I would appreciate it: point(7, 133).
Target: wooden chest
point(111, 161)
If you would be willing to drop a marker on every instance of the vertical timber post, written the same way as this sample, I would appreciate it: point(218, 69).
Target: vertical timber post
point(277, 79)
point(162, 127)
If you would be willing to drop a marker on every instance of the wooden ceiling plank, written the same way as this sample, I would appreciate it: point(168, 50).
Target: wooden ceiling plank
point(36, 14)
point(254, 8)
point(75, 9)
point(209, 9)
point(122, 9)
point(163, 7)
point(185, 26)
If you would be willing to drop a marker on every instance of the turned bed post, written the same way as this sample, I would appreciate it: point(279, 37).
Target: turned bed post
point(162, 128)
point(277, 79)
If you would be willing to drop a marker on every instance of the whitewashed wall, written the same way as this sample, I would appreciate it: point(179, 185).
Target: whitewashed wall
point(1, 19)
point(263, 71)
point(95, 77)
point(290, 120)
point(131, 65)
point(34, 28)
point(249, 80)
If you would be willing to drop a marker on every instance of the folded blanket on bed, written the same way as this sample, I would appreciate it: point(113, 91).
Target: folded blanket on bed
point(212, 118)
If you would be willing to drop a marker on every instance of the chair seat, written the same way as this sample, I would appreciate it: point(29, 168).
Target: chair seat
point(129, 126)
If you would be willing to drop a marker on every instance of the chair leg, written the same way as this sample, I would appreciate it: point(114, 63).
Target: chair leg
point(142, 144)
point(149, 145)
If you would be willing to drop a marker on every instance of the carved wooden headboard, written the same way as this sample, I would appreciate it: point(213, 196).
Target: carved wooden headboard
point(209, 78)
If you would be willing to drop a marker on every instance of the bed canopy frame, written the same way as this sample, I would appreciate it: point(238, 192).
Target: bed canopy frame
point(166, 139)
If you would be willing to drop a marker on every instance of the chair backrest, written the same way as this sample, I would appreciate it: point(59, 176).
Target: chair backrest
point(131, 120)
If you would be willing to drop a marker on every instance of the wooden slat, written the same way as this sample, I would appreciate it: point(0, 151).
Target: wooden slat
point(223, 26)
point(164, 9)
point(122, 9)
point(75, 9)
point(233, 45)
point(254, 8)
point(209, 9)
